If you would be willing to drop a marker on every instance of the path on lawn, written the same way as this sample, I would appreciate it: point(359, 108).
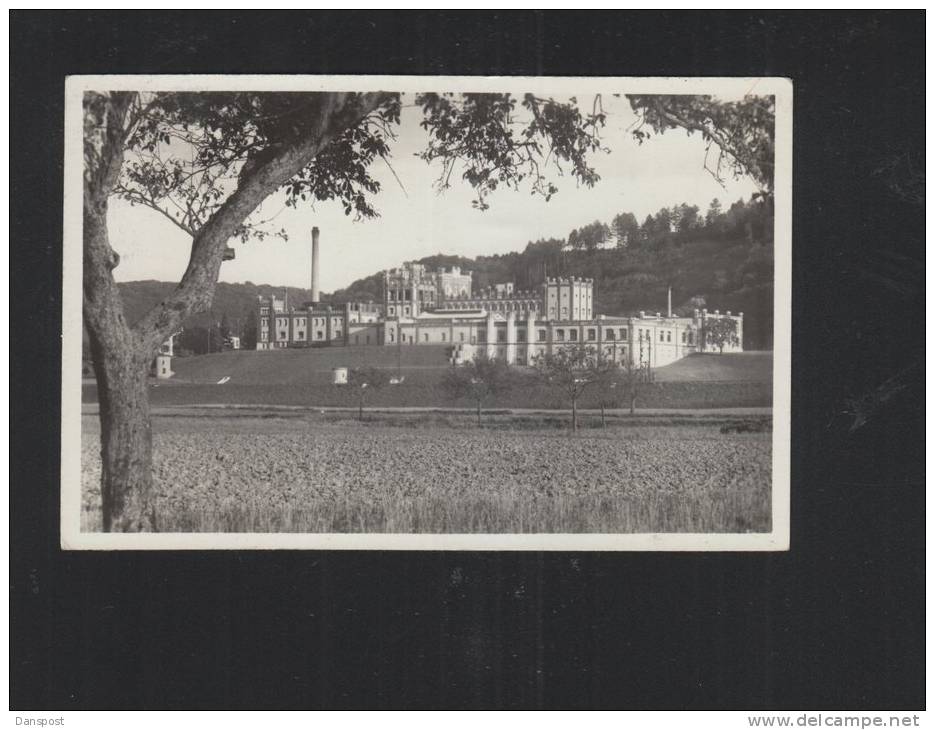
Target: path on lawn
point(91, 409)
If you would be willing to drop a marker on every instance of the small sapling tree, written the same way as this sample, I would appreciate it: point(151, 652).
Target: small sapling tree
point(569, 370)
point(478, 380)
point(605, 373)
point(365, 380)
point(631, 379)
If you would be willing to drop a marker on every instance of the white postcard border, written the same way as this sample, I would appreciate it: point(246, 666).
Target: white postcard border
point(73, 539)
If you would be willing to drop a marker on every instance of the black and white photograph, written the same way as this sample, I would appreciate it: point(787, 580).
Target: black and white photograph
point(453, 360)
point(439, 312)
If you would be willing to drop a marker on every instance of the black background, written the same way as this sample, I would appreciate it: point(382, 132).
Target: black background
point(837, 622)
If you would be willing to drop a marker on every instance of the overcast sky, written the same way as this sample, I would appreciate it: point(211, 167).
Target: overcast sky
point(418, 221)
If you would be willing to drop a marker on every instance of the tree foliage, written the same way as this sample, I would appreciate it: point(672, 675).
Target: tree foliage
point(739, 135)
point(590, 237)
point(188, 151)
point(720, 332)
point(199, 340)
point(365, 380)
point(478, 380)
point(500, 140)
point(250, 327)
point(626, 230)
point(570, 371)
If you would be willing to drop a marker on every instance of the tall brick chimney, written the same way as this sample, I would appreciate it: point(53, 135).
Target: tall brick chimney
point(315, 294)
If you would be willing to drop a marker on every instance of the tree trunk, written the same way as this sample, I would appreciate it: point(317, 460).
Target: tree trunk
point(633, 404)
point(121, 360)
point(360, 408)
point(574, 415)
point(127, 496)
point(603, 419)
point(121, 355)
point(478, 413)
point(121, 366)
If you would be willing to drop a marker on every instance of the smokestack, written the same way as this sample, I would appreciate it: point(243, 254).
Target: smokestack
point(315, 295)
point(670, 302)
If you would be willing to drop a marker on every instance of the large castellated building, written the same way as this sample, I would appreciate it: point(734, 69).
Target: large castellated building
point(440, 307)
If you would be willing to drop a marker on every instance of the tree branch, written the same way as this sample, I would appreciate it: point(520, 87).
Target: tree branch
point(194, 293)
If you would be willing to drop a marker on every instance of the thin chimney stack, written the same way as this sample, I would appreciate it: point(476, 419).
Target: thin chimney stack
point(315, 295)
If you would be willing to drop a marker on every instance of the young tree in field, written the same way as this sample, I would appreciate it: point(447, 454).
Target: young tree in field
point(630, 380)
point(478, 380)
point(207, 161)
point(365, 380)
point(569, 370)
point(605, 374)
point(720, 332)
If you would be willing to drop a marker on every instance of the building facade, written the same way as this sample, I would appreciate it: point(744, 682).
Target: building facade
point(311, 325)
point(440, 307)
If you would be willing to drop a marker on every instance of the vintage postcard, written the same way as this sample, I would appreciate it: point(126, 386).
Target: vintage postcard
point(440, 313)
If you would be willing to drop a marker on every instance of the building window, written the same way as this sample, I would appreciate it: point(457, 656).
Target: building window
point(368, 339)
point(662, 336)
point(481, 336)
point(573, 335)
point(319, 335)
point(668, 336)
point(623, 334)
point(392, 310)
point(610, 334)
point(501, 336)
point(691, 338)
point(591, 334)
point(407, 310)
point(282, 335)
point(683, 337)
point(301, 335)
point(425, 336)
point(357, 338)
point(560, 335)
point(443, 337)
point(541, 335)
point(520, 335)
point(461, 336)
